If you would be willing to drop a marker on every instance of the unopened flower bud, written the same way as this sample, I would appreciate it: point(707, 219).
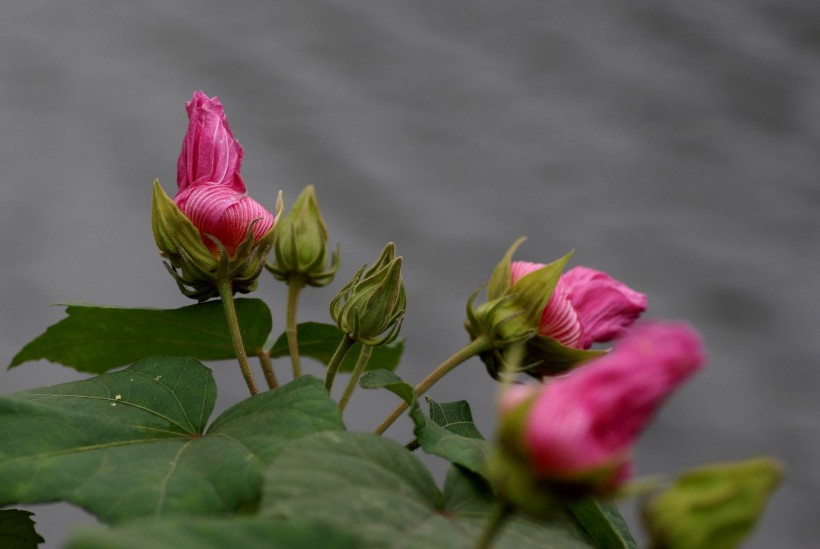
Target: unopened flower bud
point(370, 308)
point(713, 506)
point(301, 244)
point(212, 230)
point(574, 434)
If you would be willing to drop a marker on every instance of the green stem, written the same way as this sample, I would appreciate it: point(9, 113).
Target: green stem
point(225, 287)
point(358, 370)
point(344, 346)
point(267, 368)
point(295, 285)
point(493, 525)
point(478, 345)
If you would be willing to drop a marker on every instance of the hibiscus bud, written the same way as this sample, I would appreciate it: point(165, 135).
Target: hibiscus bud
point(574, 434)
point(370, 308)
point(212, 229)
point(301, 244)
point(713, 506)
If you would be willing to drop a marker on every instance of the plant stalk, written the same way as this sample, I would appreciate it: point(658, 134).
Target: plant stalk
point(267, 368)
point(494, 523)
point(358, 370)
point(225, 287)
point(295, 285)
point(478, 345)
point(344, 346)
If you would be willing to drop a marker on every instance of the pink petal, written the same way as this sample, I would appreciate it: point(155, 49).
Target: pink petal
point(591, 418)
point(223, 213)
point(210, 153)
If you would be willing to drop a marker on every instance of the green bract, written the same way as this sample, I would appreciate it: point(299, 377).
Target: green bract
point(370, 308)
point(301, 245)
point(194, 267)
point(713, 506)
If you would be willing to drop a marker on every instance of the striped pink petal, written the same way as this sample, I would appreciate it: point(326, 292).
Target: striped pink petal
point(586, 307)
point(210, 153)
point(223, 213)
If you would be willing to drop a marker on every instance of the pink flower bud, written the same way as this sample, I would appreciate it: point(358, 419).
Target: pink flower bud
point(211, 191)
point(586, 307)
point(581, 427)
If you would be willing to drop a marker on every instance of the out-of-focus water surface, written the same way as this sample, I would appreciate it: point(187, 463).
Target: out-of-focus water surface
point(672, 144)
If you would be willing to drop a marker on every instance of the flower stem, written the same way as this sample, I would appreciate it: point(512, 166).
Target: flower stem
point(493, 525)
point(473, 348)
point(295, 285)
point(344, 346)
point(225, 287)
point(267, 368)
point(361, 364)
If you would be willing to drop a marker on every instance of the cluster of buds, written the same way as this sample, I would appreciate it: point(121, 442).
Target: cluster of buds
point(301, 245)
point(212, 230)
point(370, 308)
point(573, 435)
point(556, 317)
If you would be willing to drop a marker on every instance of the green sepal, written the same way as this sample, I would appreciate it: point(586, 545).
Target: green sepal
point(532, 291)
point(174, 231)
point(500, 279)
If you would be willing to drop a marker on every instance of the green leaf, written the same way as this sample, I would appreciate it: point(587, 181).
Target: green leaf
point(17, 530)
point(319, 341)
point(133, 443)
point(383, 379)
point(603, 523)
point(456, 417)
point(374, 488)
point(97, 339)
point(247, 533)
point(468, 451)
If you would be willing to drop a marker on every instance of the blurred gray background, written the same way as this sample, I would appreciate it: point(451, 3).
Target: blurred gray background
point(674, 145)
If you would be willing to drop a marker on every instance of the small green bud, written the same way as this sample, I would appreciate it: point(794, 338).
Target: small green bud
point(194, 266)
point(370, 308)
point(301, 245)
point(714, 506)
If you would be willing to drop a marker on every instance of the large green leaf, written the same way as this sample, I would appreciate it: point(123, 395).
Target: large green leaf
point(133, 443)
point(97, 339)
point(373, 487)
point(17, 530)
point(210, 533)
point(319, 341)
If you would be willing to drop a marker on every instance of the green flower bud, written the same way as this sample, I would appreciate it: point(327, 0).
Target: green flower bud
point(301, 245)
point(370, 308)
point(714, 506)
point(194, 266)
